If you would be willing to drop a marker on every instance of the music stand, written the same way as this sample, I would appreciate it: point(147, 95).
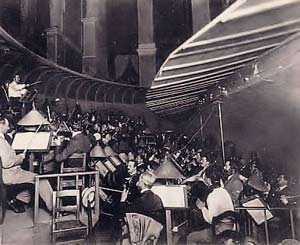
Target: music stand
point(173, 197)
point(32, 141)
point(259, 215)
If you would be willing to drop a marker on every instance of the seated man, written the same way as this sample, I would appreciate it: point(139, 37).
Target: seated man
point(147, 203)
point(12, 172)
point(278, 198)
point(218, 201)
point(79, 143)
point(200, 176)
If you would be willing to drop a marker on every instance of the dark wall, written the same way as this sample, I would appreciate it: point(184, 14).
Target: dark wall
point(10, 16)
point(122, 26)
point(72, 35)
point(172, 25)
point(266, 118)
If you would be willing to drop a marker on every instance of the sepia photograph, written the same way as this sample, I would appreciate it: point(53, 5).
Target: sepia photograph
point(150, 122)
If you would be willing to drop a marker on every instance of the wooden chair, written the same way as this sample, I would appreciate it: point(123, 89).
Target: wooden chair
point(142, 230)
point(67, 228)
point(75, 163)
point(225, 226)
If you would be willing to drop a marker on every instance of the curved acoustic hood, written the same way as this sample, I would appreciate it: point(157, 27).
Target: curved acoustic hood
point(233, 40)
point(53, 80)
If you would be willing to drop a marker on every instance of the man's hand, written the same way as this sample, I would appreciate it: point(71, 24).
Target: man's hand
point(200, 204)
point(284, 200)
point(20, 158)
point(49, 156)
point(124, 195)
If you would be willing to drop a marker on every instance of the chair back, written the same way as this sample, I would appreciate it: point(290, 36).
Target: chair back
point(75, 163)
point(58, 206)
point(225, 222)
point(67, 227)
point(143, 230)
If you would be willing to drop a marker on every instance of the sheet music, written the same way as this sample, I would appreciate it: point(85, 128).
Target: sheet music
point(171, 196)
point(258, 215)
point(31, 141)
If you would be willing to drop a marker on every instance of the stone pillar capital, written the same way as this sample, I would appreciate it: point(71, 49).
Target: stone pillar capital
point(89, 19)
point(146, 49)
point(52, 30)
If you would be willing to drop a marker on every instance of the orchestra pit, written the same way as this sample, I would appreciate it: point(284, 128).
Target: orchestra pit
point(149, 122)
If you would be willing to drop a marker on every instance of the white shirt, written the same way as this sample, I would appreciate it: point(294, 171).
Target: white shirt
point(218, 201)
point(144, 190)
point(282, 187)
point(16, 90)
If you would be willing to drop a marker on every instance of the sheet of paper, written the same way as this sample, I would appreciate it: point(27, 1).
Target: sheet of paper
point(31, 141)
point(258, 215)
point(171, 196)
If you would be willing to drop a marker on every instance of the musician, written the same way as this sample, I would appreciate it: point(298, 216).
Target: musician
point(81, 142)
point(234, 183)
point(16, 90)
point(200, 176)
point(278, 197)
point(194, 165)
point(131, 181)
point(218, 201)
point(147, 203)
point(13, 174)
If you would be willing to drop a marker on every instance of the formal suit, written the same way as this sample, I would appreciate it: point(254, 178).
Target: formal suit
point(15, 175)
point(148, 204)
point(234, 186)
point(281, 220)
point(80, 143)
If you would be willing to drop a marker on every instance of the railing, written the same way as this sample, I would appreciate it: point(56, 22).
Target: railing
point(265, 209)
point(58, 177)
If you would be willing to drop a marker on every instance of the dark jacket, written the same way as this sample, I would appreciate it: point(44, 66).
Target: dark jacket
point(80, 143)
point(148, 204)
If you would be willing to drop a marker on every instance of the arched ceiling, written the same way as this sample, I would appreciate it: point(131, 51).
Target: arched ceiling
point(58, 81)
point(236, 38)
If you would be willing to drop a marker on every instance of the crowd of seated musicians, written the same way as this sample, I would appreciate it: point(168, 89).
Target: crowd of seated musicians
point(213, 188)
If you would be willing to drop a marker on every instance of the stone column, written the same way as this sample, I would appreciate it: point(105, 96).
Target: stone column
point(28, 12)
point(200, 14)
point(54, 37)
point(146, 44)
point(95, 52)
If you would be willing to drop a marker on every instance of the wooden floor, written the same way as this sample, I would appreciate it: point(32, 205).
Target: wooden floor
point(19, 229)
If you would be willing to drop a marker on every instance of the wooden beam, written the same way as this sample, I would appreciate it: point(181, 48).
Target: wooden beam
point(226, 57)
point(242, 34)
point(197, 80)
point(176, 110)
point(209, 75)
point(176, 101)
point(231, 65)
point(233, 45)
point(164, 102)
point(174, 105)
point(177, 97)
point(190, 88)
point(206, 28)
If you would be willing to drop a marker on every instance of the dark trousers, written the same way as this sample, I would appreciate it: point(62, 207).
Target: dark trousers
point(14, 190)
